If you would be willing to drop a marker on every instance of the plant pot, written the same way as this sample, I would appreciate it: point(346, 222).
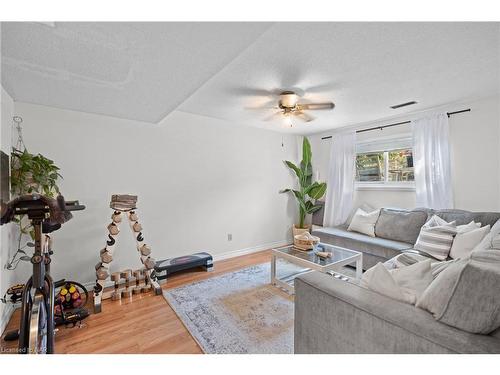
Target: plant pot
point(296, 230)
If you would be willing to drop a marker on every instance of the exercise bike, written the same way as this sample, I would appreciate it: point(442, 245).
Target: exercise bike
point(36, 333)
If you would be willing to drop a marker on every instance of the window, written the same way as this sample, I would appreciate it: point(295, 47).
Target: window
point(385, 164)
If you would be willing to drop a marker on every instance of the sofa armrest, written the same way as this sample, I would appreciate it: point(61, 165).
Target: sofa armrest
point(334, 316)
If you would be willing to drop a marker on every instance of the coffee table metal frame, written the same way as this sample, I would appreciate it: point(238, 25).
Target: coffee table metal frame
point(287, 282)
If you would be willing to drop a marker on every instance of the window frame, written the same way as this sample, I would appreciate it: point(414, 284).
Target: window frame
point(395, 144)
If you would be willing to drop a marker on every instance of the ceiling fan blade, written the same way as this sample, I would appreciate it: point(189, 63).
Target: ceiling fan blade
point(275, 116)
point(316, 106)
point(322, 88)
point(270, 104)
point(304, 116)
point(250, 91)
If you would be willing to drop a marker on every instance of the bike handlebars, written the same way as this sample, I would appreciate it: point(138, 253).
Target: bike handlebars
point(58, 210)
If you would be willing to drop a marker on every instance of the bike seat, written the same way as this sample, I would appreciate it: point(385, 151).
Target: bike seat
point(48, 227)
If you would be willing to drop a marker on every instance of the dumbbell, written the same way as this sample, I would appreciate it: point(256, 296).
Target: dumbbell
point(126, 274)
point(133, 216)
point(145, 250)
point(138, 273)
point(137, 227)
point(149, 263)
point(106, 256)
point(113, 229)
point(116, 217)
point(102, 273)
point(116, 277)
point(116, 296)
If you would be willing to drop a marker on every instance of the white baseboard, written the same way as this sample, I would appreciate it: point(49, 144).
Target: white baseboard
point(250, 250)
point(227, 255)
point(7, 314)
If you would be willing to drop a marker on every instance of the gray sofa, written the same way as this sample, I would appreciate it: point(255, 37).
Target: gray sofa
point(334, 316)
point(396, 230)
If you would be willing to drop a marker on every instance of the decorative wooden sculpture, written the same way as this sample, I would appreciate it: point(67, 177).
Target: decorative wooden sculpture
point(127, 282)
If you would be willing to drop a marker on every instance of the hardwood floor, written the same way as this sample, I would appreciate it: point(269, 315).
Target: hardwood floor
point(145, 324)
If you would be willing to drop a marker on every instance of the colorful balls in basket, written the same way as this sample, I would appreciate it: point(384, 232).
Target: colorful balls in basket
point(69, 297)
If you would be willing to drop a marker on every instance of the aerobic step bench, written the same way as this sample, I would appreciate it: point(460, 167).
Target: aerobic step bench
point(167, 267)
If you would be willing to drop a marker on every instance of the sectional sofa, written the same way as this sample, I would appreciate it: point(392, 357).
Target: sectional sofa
point(335, 316)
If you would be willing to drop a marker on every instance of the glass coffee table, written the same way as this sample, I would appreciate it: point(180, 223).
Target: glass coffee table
point(339, 257)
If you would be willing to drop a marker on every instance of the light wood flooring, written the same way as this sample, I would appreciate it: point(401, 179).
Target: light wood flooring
point(145, 324)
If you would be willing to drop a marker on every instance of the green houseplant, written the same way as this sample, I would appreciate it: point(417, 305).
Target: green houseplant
point(30, 173)
point(33, 174)
point(308, 192)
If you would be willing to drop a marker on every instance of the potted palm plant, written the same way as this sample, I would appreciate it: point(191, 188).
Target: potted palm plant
point(308, 192)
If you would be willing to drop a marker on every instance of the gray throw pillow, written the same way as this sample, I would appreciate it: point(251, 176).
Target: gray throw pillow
point(465, 294)
point(400, 225)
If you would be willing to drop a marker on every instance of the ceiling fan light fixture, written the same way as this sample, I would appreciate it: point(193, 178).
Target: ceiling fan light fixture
point(288, 99)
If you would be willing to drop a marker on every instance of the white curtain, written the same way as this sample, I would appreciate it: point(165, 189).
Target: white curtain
point(431, 160)
point(340, 188)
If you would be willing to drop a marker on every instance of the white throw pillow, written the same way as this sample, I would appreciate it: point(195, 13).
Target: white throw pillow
point(465, 242)
point(436, 237)
point(487, 242)
point(381, 281)
point(468, 227)
point(415, 278)
point(364, 206)
point(404, 284)
point(364, 222)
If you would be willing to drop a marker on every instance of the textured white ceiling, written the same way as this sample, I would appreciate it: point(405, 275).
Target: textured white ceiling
point(139, 71)
point(143, 71)
point(363, 67)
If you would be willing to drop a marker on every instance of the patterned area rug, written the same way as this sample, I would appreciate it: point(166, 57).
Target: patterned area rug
point(239, 312)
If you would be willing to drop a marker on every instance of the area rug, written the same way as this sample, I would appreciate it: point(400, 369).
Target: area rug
point(238, 312)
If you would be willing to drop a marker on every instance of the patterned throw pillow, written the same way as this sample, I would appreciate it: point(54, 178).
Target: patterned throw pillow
point(495, 242)
point(436, 237)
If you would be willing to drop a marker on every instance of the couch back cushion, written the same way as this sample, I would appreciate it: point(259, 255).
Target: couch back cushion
point(400, 225)
point(462, 217)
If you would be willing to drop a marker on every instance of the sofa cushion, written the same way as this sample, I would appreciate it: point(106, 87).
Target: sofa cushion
point(404, 284)
point(400, 225)
point(465, 294)
point(436, 237)
point(462, 217)
point(487, 242)
point(364, 222)
point(465, 242)
point(380, 247)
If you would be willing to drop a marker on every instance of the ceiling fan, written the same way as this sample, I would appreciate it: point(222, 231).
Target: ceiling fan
point(289, 107)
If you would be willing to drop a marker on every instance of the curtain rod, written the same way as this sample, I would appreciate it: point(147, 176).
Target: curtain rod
point(398, 123)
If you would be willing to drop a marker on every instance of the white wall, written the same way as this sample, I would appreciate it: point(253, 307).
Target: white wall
point(475, 155)
point(6, 233)
point(197, 179)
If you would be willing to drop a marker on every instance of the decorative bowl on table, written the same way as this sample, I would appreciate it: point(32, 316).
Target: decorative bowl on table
point(305, 241)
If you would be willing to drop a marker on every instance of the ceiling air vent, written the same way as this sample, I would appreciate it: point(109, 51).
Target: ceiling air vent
point(403, 104)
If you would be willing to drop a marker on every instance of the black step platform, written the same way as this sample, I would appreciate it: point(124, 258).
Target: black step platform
point(167, 267)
